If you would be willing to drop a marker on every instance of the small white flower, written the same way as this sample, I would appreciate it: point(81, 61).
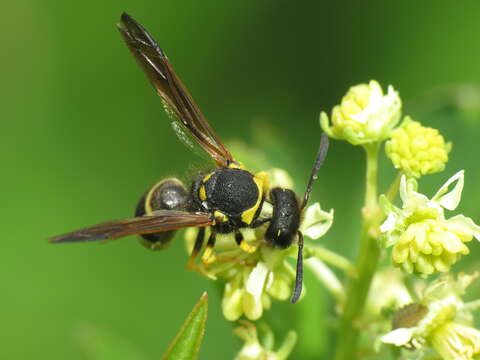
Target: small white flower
point(365, 114)
point(424, 241)
point(441, 320)
point(316, 222)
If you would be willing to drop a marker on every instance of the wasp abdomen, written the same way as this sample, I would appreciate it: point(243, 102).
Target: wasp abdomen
point(285, 218)
point(168, 194)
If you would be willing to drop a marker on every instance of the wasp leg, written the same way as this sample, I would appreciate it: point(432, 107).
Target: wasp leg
point(299, 277)
point(243, 244)
point(208, 256)
point(259, 222)
point(196, 248)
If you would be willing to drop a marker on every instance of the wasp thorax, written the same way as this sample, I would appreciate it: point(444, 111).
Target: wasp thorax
point(233, 193)
point(168, 194)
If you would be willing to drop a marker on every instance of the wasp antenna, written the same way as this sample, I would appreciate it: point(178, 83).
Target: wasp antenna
point(297, 291)
point(322, 153)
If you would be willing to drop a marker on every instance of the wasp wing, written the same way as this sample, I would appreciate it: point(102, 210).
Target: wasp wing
point(160, 220)
point(176, 98)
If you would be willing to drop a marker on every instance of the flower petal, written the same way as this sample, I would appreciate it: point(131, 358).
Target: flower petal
point(467, 224)
point(316, 222)
point(398, 337)
point(389, 223)
point(256, 280)
point(450, 200)
point(403, 189)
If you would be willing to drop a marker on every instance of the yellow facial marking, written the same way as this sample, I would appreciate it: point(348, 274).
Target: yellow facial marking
point(219, 216)
point(261, 179)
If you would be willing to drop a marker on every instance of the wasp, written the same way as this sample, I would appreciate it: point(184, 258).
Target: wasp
point(226, 199)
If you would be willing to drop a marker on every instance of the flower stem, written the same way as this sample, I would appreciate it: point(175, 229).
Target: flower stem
point(348, 334)
point(472, 305)
point(332, 258)
point(408, 282)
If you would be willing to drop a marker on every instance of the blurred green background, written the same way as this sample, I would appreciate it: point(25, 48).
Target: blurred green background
point(83, 135)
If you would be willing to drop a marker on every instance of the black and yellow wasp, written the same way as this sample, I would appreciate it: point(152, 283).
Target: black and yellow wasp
point(226, 199)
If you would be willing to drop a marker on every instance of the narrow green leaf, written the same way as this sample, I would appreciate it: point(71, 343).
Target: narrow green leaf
point(186, 344)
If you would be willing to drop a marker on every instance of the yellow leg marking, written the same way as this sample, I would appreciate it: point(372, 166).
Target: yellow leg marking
point(208, 256)
point(247, 247)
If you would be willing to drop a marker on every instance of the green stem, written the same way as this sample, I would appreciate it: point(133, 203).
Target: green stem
point(372, 174)
point(408, 282)
point(472, 305)
point(348, 334)
point(332, 258)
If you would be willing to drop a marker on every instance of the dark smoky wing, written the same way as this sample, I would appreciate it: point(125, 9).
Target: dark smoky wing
point(161, 220)
point(176, 98)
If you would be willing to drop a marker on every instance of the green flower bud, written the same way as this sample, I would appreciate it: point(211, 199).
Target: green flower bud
point(232, 302)
point(365, 114)
point(254, 349)
point(417, 150)
point(281, 287)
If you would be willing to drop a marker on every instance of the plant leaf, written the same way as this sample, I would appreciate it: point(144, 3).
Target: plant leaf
point(186, 344)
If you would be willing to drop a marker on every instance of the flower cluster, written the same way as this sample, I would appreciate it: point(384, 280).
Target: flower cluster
point(365, 114)
point(416, 149)
point(441, 320)
point(424, 241)
point(253, 349)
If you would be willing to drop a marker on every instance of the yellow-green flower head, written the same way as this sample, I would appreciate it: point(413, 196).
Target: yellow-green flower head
point(254, 278)
point(249, 290)
point(441, 321)
point(365, 114)
point(253, 349)
point(417, 150)
point(424, 241)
